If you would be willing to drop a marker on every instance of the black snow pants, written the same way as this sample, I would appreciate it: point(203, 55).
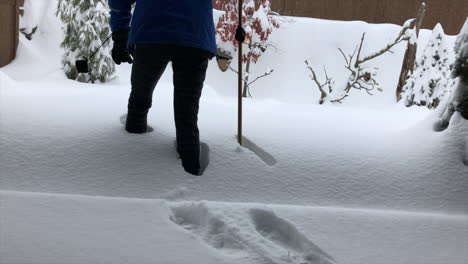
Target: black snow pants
point(189, 67)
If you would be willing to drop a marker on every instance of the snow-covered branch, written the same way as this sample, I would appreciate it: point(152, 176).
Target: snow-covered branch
point(404, 35)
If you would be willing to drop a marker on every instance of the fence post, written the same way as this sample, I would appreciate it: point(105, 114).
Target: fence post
point(9, 28)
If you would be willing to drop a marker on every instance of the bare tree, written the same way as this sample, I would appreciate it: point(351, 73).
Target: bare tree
point(410, 55)
point(361, 77)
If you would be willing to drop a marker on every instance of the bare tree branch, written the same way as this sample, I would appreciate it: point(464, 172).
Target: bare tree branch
point(320, 85)
point(360, 48)
point(329, 80)
point(245, 80)
point(340, 100)
point(236, 72)
point(259, 77)
point(344, 56)
point(400, 38)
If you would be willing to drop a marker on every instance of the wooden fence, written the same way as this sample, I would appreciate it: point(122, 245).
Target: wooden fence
point(450, 13)
point(9, 24)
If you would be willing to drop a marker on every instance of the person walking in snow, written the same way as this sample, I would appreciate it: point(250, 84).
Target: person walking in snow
point(156, 33)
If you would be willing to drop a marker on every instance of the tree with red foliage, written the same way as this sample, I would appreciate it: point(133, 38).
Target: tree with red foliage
point(258, 22)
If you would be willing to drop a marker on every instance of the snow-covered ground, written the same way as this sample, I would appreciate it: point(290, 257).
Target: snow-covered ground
point(367, 181)
point(48, 228)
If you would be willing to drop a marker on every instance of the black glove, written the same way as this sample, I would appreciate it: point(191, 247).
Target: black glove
point(120, 53)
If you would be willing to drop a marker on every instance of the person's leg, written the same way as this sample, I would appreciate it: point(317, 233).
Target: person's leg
point(149, 64)
point(189, 66)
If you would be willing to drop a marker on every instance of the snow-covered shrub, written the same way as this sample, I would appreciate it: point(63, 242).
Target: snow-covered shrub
point(459, 99)
point(430, 80)
point(86, 27)
point(258, 22)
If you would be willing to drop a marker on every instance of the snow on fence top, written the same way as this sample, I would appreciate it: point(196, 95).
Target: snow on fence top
point(450, 13)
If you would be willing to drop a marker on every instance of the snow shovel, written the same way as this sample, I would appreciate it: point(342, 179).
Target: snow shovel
point(240, 37)
point(82, 65)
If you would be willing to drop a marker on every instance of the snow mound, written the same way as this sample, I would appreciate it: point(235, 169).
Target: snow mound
point(328, 156)
point(456, 139)
point(5, 81)
point(257, 235)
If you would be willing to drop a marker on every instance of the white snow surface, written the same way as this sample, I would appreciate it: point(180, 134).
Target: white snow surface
point(367, 181)
point(35, 14)
point(51, 228)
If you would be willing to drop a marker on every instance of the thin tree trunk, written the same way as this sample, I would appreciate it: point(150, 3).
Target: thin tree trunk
point(245, 93)
point(410, 55)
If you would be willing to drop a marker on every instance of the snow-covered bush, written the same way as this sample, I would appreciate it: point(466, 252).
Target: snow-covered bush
point(258, 22)
point(86, 27)
point(430, 80)
point(459, 99)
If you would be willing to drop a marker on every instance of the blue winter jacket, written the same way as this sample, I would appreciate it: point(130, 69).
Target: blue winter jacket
point(186, 23)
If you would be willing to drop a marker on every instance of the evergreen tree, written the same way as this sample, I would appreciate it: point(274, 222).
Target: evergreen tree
point(86, 27)
point(458, 101)
point(430, 80)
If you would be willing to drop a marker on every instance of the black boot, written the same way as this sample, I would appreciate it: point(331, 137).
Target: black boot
point(193, 161)
point(190, 157)
point(136, 122)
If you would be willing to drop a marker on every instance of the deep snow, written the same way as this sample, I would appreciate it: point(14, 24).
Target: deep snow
point(375, 183)
point(49, 228)
point(353, 155)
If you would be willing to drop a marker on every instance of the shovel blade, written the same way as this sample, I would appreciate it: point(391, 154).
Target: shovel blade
point(82, 66)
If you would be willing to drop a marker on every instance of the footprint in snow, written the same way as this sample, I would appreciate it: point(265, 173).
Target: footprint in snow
point(253, 236)
point(123, 120)
point(202, 222)
point(288, 237)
